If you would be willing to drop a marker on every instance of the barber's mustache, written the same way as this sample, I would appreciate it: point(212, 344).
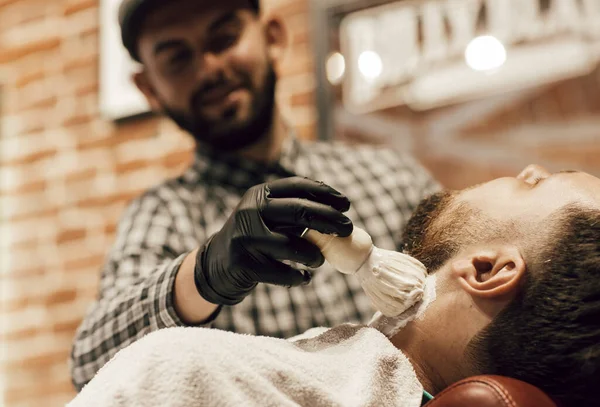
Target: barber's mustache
point(216, 87)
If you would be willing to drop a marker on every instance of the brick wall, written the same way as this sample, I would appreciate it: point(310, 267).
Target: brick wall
point(66, 175)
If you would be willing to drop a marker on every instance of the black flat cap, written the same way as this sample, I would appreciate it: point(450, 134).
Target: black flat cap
point(131, 15)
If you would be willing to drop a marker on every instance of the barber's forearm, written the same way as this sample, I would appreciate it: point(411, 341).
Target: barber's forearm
point(189, 305)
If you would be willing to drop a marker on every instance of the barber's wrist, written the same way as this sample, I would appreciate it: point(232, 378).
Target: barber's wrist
point(211, 289)
point(210, 319)
point(191, 308)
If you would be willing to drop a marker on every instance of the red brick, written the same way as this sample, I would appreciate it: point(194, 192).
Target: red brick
point(81, 61)
point(26, 188)
point(12, 54)
point(28, 272)
point(21, 334)
point(49, 211)
point(177, 159)
point(16, 12)
point(302, 99)
point(28, 78)
point(60, 297)
point(98, 202)
point(58, 399)
point(66, 327)
point(90, 88)
point(298, 60)
point(107, 142)
point(88, 262)
point(4, 3)
point(110, 228)
point(26, 244)
point(53, 298)
point(34, 122)
point(37, 392)
point(15, 305)
point(76, 119)
point(301, 38)
point(26, 159)
point(80, 81)
point(137, 129)
point(22, 377)
point(298, 29)
point(91, 32)
point(86, 174)
point(306, 132)
point(73, 6)
point(44, 102)
point(133, 165)
point(70, 235)
point(89, 294)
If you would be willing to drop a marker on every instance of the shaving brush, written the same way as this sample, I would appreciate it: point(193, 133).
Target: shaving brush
point(393, 281)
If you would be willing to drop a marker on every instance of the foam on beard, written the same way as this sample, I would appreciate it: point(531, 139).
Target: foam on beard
point(389, 326)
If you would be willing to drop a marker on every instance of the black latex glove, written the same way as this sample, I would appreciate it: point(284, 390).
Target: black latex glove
point(250, 246)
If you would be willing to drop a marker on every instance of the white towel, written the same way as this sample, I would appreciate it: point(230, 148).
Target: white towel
point(350, 365)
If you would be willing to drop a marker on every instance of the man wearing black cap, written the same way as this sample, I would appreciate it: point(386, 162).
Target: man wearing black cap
point(193, 250)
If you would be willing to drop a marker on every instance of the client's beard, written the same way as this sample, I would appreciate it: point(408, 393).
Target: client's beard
point(425, 238)
point(228, 135)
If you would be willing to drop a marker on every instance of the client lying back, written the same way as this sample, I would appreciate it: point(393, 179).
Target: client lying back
point(513, 290)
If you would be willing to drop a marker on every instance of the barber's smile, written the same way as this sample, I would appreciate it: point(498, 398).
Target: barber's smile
point(224, 95)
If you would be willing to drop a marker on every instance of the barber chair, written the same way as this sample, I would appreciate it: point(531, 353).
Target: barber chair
point(491, 391)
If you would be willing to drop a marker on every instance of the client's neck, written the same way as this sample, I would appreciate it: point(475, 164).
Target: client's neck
point(410, 341)
point(437, 363)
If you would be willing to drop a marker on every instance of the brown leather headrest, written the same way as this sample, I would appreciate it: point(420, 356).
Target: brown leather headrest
point(491, 391)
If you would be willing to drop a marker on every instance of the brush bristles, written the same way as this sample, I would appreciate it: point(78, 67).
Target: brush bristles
point(393, 281)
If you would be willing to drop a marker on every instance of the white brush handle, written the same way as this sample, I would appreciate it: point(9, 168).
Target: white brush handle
point(346, 254)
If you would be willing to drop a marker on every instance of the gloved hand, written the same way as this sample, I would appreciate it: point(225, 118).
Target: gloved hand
point(250, 246)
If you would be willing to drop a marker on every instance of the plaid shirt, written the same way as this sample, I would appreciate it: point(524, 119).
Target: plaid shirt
point(161, 227)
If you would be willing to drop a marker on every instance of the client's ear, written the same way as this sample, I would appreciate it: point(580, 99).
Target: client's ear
point(492, 273)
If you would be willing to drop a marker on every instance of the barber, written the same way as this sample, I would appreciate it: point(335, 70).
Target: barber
point(194, 250)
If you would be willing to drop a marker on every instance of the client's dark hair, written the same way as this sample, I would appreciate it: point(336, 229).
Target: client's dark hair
point(549, 335)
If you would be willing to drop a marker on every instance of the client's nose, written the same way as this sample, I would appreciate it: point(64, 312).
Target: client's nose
point(533, 173)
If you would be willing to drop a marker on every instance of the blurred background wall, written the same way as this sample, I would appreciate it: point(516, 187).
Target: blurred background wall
point(66, 174)
point(476, 89)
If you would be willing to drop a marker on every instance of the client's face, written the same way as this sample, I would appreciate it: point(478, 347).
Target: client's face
point(445, 222)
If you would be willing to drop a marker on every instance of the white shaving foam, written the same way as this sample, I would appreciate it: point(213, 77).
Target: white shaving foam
point(389, 326)
point(392, 280)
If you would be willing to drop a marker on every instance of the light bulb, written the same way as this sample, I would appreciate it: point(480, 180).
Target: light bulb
point(370, 64)
point(485, 53)
point(335, 67)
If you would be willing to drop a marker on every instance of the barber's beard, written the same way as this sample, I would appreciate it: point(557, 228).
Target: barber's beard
point(424, 236)
point(231, 134)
